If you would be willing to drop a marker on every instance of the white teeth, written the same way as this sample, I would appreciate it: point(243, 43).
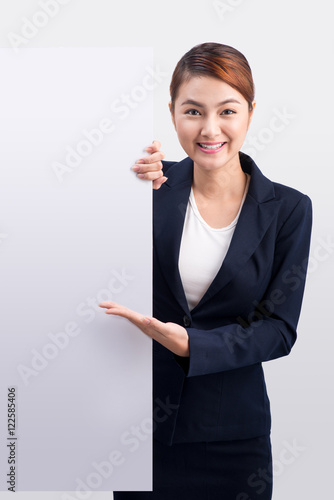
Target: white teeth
point(214, 146)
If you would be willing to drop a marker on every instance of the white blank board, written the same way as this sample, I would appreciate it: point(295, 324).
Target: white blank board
point(75, 230)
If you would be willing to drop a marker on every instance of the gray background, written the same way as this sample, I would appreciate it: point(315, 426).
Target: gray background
point(289, 46)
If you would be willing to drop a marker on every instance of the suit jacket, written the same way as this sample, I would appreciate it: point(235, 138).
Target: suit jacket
point(248, 315)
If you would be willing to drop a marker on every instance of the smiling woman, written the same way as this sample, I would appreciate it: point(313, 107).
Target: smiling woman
point(225, 238)
point(209, 124)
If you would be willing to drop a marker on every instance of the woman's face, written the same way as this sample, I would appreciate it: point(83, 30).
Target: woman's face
point(211, 120)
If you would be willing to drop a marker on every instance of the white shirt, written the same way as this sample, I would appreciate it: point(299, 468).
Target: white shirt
point(202, 251)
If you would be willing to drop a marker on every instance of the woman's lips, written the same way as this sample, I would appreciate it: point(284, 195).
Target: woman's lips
point(211, 147)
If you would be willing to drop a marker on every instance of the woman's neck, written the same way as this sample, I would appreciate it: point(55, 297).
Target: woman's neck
point(226, 182)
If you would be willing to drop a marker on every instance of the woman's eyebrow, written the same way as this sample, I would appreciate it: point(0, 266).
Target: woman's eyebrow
point(195, 103)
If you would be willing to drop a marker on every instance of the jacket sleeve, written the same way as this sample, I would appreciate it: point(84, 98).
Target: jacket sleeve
point(273, 332)
point(166, 164)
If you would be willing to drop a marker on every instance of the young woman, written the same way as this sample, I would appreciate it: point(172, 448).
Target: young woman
point(227, 243)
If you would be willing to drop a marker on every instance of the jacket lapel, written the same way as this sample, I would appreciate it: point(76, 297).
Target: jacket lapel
point(258, 211)
point(170, 205)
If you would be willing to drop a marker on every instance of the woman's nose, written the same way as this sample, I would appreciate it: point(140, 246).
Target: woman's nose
point(211, 127)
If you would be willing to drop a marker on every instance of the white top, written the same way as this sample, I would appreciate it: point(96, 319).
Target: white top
point(202, 251)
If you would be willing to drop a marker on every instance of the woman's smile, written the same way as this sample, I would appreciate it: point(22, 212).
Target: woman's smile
point(211, 147)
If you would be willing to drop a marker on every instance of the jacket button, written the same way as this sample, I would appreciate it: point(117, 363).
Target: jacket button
point(186, 321)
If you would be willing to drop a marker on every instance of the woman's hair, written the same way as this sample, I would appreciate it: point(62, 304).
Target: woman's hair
point(218, 61)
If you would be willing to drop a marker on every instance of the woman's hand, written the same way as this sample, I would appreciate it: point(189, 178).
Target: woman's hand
point(172, 336)
point(150, 167)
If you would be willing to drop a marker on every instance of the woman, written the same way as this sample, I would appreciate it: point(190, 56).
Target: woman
point(227, 243)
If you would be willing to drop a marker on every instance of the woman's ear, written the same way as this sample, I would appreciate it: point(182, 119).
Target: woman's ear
point(251, 114)
point(171, 113)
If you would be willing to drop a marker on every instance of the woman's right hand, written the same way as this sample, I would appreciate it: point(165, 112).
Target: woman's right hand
point(150, 167)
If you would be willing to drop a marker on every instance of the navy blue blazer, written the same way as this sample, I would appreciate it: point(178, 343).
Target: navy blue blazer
point(248, 315)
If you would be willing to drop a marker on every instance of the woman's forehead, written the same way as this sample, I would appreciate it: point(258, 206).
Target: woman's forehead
point(208, 89)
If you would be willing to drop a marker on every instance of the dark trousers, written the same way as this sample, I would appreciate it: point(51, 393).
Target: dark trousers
point(224, 470)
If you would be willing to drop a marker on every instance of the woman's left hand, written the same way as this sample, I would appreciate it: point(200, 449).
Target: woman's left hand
point(171, 335)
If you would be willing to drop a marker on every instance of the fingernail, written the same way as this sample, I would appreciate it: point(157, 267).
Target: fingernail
point(141, 176)
point(135, 168)
point(140, 161)
point(149, 149)
point(147, 321)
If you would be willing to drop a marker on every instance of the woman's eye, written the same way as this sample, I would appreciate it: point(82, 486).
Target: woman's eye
point(192, 112)
point(228, 112)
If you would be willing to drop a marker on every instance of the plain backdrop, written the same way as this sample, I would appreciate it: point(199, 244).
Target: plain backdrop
point(289, 46)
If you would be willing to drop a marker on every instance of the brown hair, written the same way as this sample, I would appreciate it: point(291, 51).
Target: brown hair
point(218, 61)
